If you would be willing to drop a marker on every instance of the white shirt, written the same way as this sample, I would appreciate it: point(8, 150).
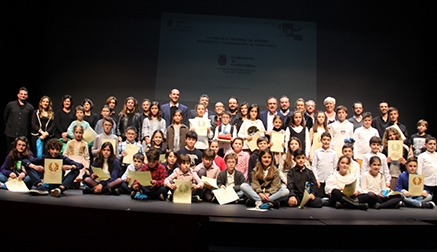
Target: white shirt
point(324, 163)
point(427, 165)
point(362, 137)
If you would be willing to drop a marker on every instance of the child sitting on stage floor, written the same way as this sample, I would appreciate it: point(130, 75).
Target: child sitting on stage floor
point(184, 172)
point(158, 173)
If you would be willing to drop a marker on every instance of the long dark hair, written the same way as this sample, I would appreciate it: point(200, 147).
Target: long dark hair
point(100, 160)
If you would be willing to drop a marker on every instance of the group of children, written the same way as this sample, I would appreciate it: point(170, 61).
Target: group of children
point(315, 166)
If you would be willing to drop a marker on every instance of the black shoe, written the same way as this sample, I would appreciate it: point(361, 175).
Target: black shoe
point(377, 205)
point(338, 205)
point(107, 190)
point(116, 191)
point(39, 190)
point(250, 203)
point(88, 190)
point(275, 204)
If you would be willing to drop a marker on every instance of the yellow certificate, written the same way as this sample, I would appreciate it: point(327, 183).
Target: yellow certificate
point(182, 194)
point(305, 199)
point(15, 185)
point(395, 149)
point(99, 171)
point(349, 189)
point(252, 143)
point(52, 171)
point(210, 181)
point(200, 125)
point(89, 135)
point(131, 150)
point(143, 177)
point(277, 139)
point(415, 184)
point(226, 195)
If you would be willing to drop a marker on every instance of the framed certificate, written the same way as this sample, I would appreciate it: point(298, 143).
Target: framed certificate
point(395, 149)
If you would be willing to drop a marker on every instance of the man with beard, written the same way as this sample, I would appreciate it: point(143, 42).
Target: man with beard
point(169, 108)
point(233, 108)
point(356, 119)
point(17, 117)
point(284, 103)
point(380, 122)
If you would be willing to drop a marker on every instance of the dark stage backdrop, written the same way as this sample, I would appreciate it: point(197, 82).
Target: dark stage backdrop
point(363, 51)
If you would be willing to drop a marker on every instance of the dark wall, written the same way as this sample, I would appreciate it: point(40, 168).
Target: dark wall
point(365, 51)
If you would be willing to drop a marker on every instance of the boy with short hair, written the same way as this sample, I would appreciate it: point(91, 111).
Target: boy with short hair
point(189, 149)
point(422, 201)
point(107, 124)
point(299, 179)
point(104, 112)
point(184, 172)
point(375, 146)
point(393, 115)
point(324, 163)
point(208, 169)
point(231, 176)
point(341, 129)
point(225, 133)
point(138, 163)
point(427, 165)
point(158, 173)
point(131, 139)
point(362, 136)
point(80, 114)
point(417, 145)
point(35, 169)
point(243, 156)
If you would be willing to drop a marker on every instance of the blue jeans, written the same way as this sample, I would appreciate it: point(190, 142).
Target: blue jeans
point(27, 180)
point(67, 180)
point(416, 201)
point(280, 195)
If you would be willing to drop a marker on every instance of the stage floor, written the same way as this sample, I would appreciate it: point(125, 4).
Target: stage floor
point(231, 227)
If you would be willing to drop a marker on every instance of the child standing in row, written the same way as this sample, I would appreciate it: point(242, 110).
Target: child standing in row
point(218, 160)
point(417, 144)
point(320, 125)
point(153, 123)
point(324, 163)
point(224, 134)
point(362, 137)
point(375, 146)
point(243, 156)
point(298, 129)
point(77, 149)
point(341, 129)
point(427, 165)
point(176, 132)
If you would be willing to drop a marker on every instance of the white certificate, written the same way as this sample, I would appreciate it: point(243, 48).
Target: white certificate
point(277, 139)
point(200, 125)
point(52, 171)
point(182, 194)
point(395, 149)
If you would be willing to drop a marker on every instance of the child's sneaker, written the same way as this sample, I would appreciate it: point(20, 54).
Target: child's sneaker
point(56, 192)
point(138, 195)
point(39, 190)
point(3, 186)
point(428, 204)
point(265, 206)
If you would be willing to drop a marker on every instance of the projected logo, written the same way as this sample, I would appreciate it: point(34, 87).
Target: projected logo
point(222, 60)
point(291, 30)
